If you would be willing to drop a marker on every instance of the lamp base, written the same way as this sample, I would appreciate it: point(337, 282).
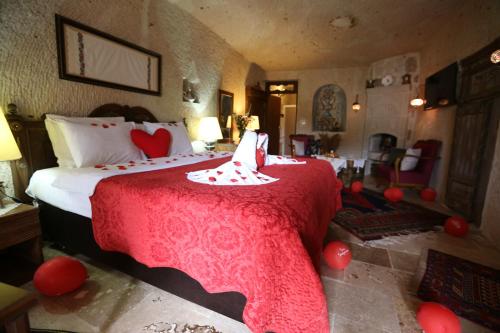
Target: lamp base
point(210, 146)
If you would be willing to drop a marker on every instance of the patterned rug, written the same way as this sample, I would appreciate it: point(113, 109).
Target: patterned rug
point(468, 289)
point(368, 215)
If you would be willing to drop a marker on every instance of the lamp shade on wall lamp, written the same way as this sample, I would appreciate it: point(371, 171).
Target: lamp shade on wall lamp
point(356, 106)
point(254, 123)
point(8, 147)
point(417, 101)
point(209, 130)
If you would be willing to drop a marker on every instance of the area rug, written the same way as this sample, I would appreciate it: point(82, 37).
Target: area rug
point(470, 290)
point(368, 215)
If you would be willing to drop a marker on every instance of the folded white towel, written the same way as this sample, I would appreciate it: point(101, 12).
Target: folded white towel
point(242, 169)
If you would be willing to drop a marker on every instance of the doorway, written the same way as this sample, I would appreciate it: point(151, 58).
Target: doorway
point(287, 92)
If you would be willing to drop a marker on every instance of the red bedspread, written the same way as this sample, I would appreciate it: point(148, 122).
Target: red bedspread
point(257, 240)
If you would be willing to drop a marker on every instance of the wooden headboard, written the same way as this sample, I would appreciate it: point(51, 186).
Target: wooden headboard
point(35, 146)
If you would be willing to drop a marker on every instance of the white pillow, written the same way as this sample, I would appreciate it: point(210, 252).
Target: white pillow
point(61, 150)
point(410, 163)
point(299, 147)
point(180, 139)
point(100, 143)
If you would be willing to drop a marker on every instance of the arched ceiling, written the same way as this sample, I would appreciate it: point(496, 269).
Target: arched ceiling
point(298, 34)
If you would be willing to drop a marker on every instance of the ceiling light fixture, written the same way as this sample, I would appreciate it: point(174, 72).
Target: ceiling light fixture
point(495, 57)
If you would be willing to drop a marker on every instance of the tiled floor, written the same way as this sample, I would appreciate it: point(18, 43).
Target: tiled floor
point(374, 294)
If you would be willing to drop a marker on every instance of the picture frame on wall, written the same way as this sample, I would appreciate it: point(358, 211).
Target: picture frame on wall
point(95, 57)
point(226, 102)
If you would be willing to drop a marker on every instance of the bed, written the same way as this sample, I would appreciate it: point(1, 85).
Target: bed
point(75, 232)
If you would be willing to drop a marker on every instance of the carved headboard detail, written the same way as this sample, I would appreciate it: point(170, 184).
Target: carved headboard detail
point(35, 145)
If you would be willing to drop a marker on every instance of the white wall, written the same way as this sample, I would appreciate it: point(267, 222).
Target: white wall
point(352, 80)
point(29, 72)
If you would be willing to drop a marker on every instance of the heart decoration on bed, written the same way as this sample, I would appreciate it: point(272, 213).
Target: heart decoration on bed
point(156, 145)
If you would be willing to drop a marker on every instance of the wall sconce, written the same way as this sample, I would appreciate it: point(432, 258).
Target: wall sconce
point(356, 106)
point(417, 101)
point(495, 57)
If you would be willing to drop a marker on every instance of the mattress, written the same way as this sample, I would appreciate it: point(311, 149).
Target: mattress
point(41, 187)
point(70, 189)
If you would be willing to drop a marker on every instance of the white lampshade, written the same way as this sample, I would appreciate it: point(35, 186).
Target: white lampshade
point(254, 123)
point(8, 146)
point(417, 101)
point(209, 130)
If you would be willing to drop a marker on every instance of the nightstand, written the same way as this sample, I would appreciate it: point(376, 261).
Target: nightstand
point(20, 238)
point(225, 147)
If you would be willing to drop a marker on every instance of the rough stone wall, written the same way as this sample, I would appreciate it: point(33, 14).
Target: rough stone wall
point(473, 25)
point(28, 59)
point(352, 80)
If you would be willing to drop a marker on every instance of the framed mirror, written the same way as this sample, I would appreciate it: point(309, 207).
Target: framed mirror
point(226, 101)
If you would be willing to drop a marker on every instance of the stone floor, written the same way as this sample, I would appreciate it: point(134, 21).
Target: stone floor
point(374, 294)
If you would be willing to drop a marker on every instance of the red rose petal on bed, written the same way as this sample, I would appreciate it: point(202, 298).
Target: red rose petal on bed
point(234, 180)
point(167, 161)
point(220, 172)
point(238, 172)
point(191, 155)
point(105, 126)
point(211, 156)
point(279, 157)
point(131, 162)
point(93, 124)
point(212, 179)
point(243, 177)
point(237, 163)
point(174, 159)
point(113, 124)
point(152, 163)
point(149, 160)
point(104, 169)
point(122, 167)
point(255, 172)
point(99, 166)
point(143, 163)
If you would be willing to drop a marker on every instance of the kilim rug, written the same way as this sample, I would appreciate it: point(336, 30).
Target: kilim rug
point(470, 290)
point(368, 215)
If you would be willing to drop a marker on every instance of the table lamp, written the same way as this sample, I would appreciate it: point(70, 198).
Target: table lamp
point(8, 147)
point(209, 131)
point(253, 124)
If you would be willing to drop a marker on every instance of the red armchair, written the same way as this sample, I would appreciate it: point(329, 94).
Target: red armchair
point(421, 175)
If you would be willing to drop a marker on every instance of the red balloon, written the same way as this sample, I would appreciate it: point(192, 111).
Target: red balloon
point(393, 194)
point(456, 226)
point(356, 187)
point(428, 194)
point(436, 318)
point(59, 276)
point(337, 255)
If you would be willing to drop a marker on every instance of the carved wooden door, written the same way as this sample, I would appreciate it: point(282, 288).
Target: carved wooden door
point(468, 156)
point(476, 128)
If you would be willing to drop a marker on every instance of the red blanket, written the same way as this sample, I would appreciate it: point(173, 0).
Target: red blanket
point(262, 241)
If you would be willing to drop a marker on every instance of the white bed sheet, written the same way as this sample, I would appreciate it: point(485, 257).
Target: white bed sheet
point(41, 187)
point(70, 188)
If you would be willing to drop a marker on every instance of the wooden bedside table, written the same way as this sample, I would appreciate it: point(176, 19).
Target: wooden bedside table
point(20, 237)
point(225, 147)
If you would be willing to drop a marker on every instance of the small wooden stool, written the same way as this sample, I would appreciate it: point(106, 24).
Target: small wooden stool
point(14, 305)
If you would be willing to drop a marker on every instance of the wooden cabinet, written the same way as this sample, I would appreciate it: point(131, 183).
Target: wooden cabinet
point(476, 128)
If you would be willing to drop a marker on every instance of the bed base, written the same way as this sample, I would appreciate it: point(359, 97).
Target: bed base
point(73, 233)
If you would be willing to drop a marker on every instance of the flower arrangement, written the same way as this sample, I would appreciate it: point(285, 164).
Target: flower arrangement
point(242, 122)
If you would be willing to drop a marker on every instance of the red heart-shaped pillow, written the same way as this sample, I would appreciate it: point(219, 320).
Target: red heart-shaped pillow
point(156, 145)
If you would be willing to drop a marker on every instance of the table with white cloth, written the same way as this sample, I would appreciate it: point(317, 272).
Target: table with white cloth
point(347, 169)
